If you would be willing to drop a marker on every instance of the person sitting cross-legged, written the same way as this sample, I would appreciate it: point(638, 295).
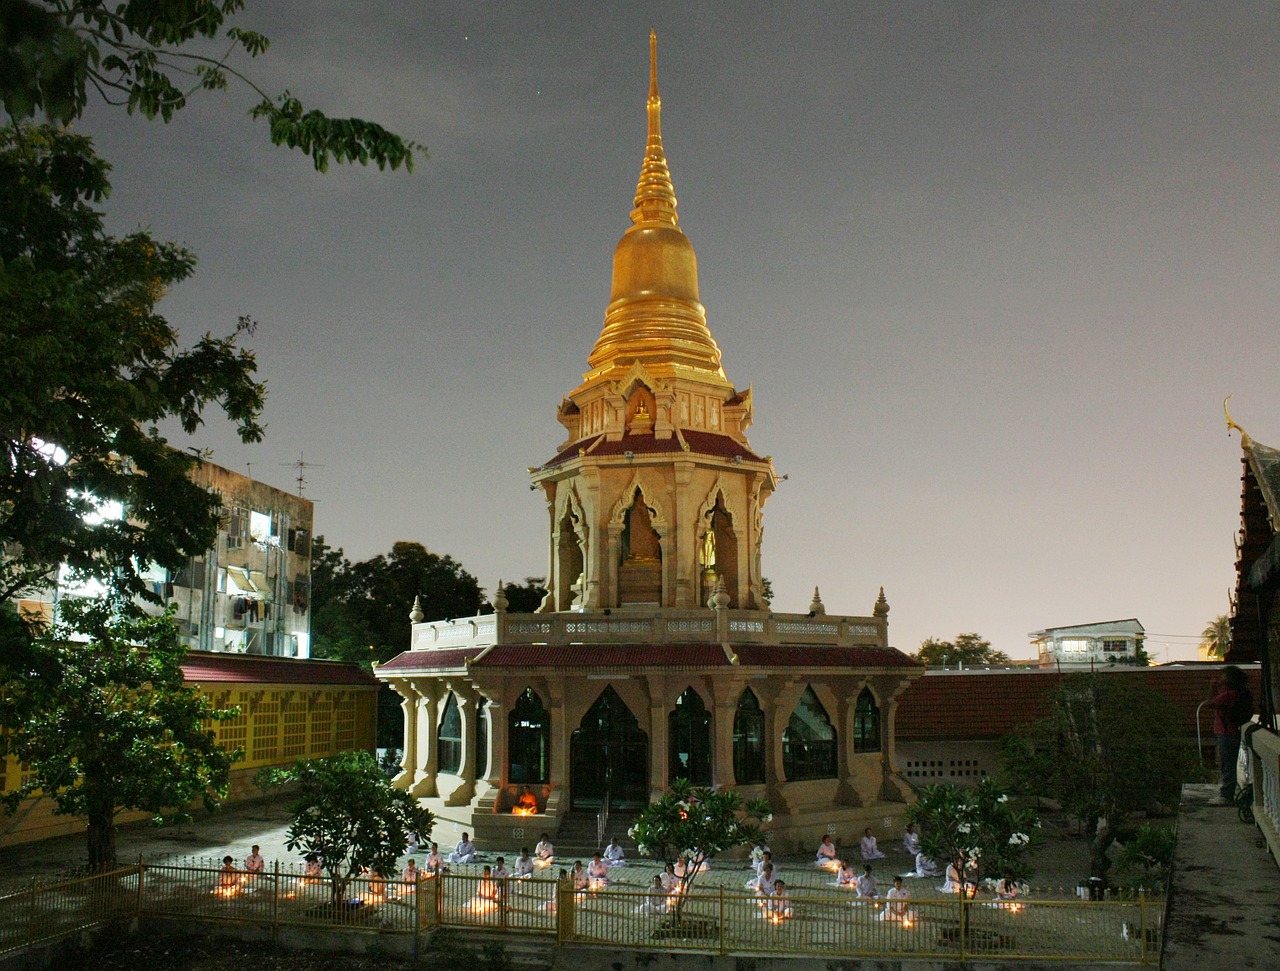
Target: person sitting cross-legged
point(870, 851)
point(826, 853)
point(464, 852)
point(867, 886)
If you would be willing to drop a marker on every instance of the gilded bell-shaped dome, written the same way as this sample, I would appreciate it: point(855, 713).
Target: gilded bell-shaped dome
point(654, 314)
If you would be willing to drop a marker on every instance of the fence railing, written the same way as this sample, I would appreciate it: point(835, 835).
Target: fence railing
point(717, 920)
point(1264, 746)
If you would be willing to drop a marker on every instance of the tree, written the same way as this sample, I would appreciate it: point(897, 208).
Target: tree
point(102, 720)
point(366, 607)
point(150, 56)
point(1216, 636)
point(697, 823)
point(349, 815)
point(1148, 853)
point(527, 597)
point(90, 369)
point(970, 649)
point(1109, 749)
point(978, 828)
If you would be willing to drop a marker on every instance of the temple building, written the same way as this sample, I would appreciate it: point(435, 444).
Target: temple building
point(654, 655)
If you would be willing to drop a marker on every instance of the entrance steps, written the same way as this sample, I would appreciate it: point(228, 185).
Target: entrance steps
point(577, 836)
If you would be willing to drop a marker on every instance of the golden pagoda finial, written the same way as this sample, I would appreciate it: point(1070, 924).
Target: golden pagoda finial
point(1245, 440)
point(655, 195)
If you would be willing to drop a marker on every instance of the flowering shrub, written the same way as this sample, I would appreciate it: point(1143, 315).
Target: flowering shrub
point(695, 824)
point(976, 828)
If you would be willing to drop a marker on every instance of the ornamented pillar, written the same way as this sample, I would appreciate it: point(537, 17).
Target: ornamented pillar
point(722, 738)
point(658, 744)
point(560, 732)
point(409, 757)
point(424, 777)
point(497, 754)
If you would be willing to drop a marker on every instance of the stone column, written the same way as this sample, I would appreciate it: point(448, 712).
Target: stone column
point(722, 739)
point(498, 727)
point(560, 731)
point(658, 744)
point(424, 776)
point(409, 757)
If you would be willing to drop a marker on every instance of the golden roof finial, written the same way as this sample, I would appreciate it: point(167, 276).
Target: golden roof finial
point(1245, 440)
point(655, 195)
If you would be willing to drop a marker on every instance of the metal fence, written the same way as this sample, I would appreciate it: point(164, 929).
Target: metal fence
point(807, 923)
point(835, 925)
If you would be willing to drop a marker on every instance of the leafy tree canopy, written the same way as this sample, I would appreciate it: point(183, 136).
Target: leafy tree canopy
point(978, 828)
point(349, 815)
point(965, 649)
point(697, 824)
point(90, 369)
point(151, 56)
point(1110, 749)
point(361, 610)
point(1216, 636)
point(524, 598)
point(99, 714)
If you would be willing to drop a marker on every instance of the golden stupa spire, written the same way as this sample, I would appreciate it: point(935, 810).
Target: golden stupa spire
point(655, 195)
point(654, 313)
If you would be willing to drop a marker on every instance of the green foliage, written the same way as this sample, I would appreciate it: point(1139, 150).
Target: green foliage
point(697, 823)
point(1216, 636)
point(348, 814)
point(970, 649)
point(525, 598)
point(360, 611)
point(90, 369)
point(1111, 748)
point(979, 829)
point(98, 711)
point(1148, 856)
point(146, 55)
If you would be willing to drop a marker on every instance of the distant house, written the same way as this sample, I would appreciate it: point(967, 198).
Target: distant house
point(1088, 645)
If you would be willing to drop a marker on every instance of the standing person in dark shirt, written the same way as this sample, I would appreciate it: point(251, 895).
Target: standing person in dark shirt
point(1232, 707)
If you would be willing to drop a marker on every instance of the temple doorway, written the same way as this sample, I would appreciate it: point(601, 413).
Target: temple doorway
point(608, 756)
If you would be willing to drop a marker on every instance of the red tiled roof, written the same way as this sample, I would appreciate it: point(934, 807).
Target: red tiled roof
point(811, 656)
point(604, 656)
point(700, 443)
point(208, 667)
point(430, 660)
point(991, 704)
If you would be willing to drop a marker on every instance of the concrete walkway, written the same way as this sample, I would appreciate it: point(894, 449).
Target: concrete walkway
point(1224, 903)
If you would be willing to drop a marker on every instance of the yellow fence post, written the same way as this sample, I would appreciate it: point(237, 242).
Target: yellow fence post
point(1142, 922)
point(275, 904)
point(722, 948)
point(142, 869)
point(962, 932)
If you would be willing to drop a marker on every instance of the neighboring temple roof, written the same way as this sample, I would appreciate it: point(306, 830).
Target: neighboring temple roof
point(985, 705)
point(208, 667)
point(617, 656)
point(700, 443)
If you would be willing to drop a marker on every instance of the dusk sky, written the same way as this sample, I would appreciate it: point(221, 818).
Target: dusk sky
point(990, 269)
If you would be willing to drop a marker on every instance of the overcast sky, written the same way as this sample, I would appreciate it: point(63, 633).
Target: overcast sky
point(990, 269)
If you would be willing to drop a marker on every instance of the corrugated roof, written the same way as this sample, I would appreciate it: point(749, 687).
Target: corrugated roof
point(208, 667)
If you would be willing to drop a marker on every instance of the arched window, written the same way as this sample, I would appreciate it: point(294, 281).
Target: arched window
point(482, 740)
point(529, 740)
point(748, 740)
point(689, 740)
point(809, 743)
point(449, 737)
point(866, 723)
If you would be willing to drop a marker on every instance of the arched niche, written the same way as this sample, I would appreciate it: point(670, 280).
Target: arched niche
point(529, 740)
point(809, 741)
point(748, 740)
point(608, 757)
point(689, 753)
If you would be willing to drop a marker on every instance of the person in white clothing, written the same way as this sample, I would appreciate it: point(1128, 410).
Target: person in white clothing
point(926, 867)
point(669, 879)
point(655, 901)
point(411, 844)
point(598, 871)
point(779, 903)
point(868, 845)
point(314, 867)
point(580, 878)
point(254, 863)
point(434, 861)
point(544, 851)
point(524, 864)
point(500, 871)
point(411, 874)
point(867, 886)
point(826, 853)
point(613, 855)
point(846, 875)
point(767, 880)
point(911, 839)
point(897, 908)
point(464, 852)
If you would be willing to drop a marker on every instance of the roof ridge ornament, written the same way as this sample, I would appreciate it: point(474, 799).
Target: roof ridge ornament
point(1245, 440)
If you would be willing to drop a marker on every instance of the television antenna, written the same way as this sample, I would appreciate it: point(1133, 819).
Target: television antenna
point(301, 467)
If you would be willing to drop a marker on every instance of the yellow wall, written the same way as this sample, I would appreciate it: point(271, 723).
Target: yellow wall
point(277, 725)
